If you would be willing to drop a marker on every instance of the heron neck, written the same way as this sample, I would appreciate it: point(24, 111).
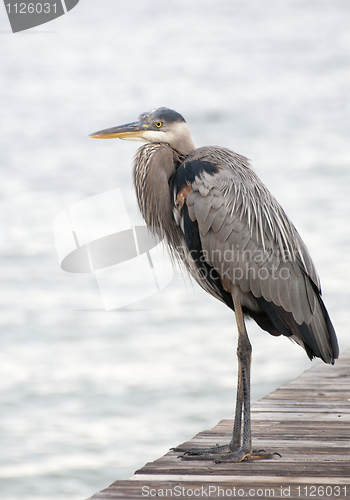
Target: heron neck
point(180, 139)
point(185, 147)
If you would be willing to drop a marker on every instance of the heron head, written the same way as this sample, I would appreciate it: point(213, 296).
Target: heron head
point(157, 125)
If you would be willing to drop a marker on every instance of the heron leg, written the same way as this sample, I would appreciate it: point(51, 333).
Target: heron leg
point(240, 446)
point(237, 426)
point(244, 355)
point(235, 442)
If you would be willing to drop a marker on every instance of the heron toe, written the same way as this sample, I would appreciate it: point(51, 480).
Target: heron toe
point(214, 450)
point(228, 456)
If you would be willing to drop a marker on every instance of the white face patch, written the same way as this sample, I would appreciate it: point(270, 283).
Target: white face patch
point(155, 136)
point(178, 136)
point(137, 139)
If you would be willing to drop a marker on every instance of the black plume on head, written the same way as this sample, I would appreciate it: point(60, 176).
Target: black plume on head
point(162, 114)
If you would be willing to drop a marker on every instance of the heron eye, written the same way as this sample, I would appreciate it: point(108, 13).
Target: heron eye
point(159, 124)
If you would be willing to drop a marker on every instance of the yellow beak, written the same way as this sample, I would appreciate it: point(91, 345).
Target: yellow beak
point(127, 131)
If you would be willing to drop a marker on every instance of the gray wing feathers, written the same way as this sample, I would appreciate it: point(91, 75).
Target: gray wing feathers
point(247, 238)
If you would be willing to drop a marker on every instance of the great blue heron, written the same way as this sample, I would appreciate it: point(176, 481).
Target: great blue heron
point(234, 238)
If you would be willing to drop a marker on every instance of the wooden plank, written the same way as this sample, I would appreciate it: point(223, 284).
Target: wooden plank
point(307, 421)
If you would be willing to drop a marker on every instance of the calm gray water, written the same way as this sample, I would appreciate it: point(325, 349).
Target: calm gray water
point(88, 396)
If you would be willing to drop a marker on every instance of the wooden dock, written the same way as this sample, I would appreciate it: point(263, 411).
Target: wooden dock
point(307, 421)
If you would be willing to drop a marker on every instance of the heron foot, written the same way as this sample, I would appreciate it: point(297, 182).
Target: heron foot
point(242, 454)
point(214, 450)
point(219, 454)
